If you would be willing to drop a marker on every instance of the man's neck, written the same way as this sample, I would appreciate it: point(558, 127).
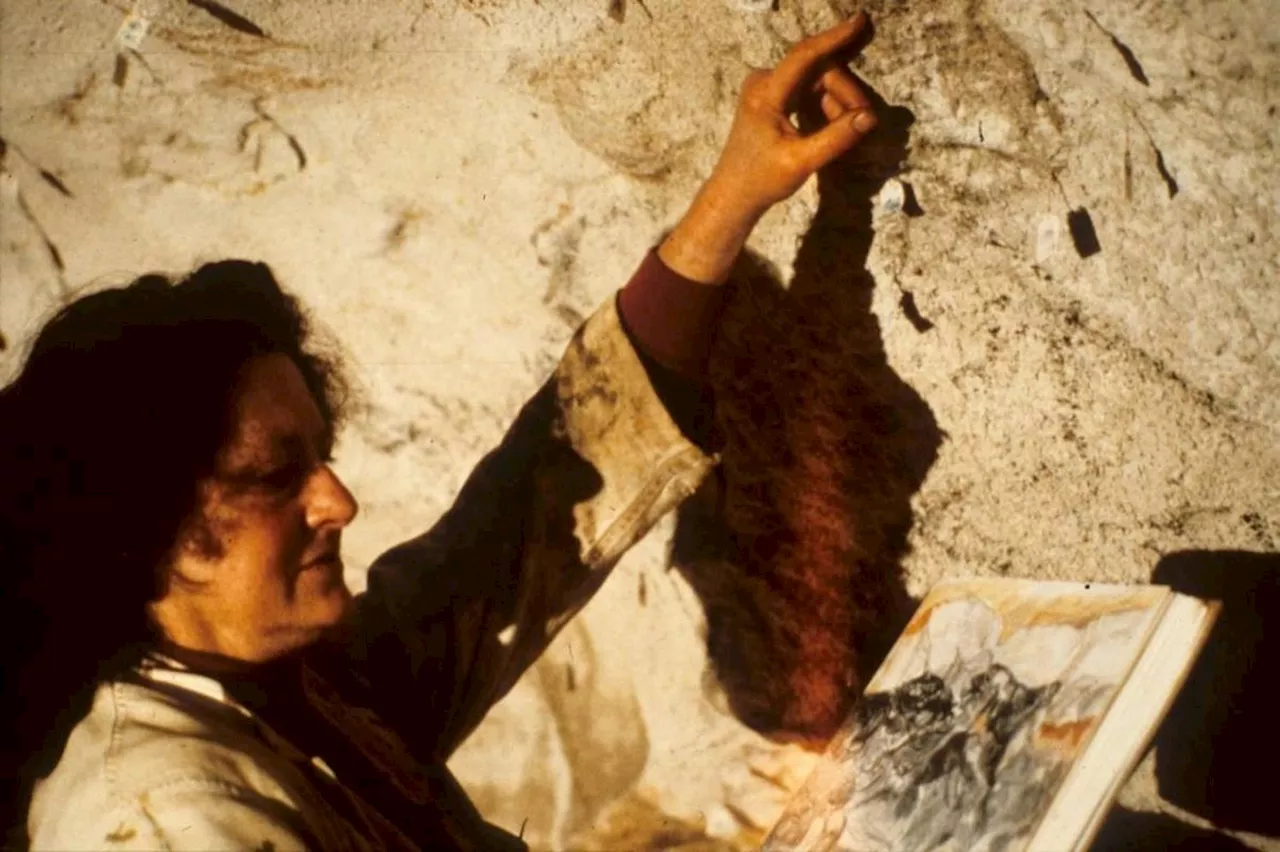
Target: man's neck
point(207, 662)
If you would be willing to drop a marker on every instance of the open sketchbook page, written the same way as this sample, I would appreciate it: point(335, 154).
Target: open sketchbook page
point(974, 719)
point(1085, 796)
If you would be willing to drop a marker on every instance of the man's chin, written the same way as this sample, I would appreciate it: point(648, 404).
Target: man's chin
point(339, 604)
point(324, 609)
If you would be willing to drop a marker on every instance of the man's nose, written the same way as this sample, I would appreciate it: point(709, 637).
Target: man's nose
point(328, 500)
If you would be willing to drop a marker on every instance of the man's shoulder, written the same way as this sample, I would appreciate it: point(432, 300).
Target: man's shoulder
point(143, 744)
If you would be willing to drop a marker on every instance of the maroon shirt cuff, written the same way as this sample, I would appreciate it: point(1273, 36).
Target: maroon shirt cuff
point(672, 318)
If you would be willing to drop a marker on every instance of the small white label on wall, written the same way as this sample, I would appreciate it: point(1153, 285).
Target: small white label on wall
point(1048, 232)
point(893, 196)
point(132, 31)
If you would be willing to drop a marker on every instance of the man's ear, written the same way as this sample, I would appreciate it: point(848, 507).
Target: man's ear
point(185, 571)
point(196, 551)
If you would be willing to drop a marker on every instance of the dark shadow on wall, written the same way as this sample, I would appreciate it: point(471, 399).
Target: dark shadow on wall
point(795, 546)
point(1127, 830)
point(1222, 729)
point(1216, 749)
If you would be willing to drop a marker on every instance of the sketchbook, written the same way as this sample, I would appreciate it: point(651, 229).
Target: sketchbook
point(1005, 717)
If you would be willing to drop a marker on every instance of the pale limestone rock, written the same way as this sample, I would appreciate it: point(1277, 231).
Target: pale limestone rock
point(451, 186)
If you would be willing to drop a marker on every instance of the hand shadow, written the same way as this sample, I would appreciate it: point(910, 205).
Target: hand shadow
point(795, 546)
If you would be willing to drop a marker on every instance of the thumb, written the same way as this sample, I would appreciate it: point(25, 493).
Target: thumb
point(838, 136)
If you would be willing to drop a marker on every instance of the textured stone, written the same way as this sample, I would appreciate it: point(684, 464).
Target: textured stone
point(452, 186)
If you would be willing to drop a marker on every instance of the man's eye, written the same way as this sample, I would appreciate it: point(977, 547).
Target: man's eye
point(290, 475)
point(282, 477)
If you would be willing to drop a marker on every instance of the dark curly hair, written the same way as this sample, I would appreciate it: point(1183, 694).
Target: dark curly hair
point(118, 413)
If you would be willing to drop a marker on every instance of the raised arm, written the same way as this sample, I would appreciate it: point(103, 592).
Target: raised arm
point(454, 616)
point(614, 440)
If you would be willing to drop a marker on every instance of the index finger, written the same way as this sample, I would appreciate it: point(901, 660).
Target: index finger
point(805, 57)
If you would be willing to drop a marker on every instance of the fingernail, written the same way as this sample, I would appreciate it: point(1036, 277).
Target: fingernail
point(864, 121)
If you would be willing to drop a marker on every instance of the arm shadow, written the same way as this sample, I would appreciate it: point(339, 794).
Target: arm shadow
point(795, 546)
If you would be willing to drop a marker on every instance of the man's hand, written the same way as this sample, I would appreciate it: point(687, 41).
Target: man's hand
point(766, 159)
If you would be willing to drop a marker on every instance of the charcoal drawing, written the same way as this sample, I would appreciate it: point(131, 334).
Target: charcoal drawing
point(963, 739)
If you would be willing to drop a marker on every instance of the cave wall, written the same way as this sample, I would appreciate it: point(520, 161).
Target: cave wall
point(1081, 289)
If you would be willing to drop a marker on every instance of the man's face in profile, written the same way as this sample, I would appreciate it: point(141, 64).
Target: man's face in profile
point(260, 574)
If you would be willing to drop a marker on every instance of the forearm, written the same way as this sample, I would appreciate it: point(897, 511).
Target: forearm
point(707, 241)
point(671, 320)
point(671, 306)
point(452, 617)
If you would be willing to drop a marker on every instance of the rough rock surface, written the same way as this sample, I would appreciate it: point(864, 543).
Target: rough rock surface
point(1075, 269)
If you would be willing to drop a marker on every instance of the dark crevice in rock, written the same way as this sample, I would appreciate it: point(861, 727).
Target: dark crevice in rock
point(912, 312)
point(1164, 172)
point(297, 150)
point(46, 175)
point(120, 73)
point(53, 180)
point(54, 254)
point(910, 204)
point(1083, 235)
point(618, 10)
point(232, 19)
point(1130, 60)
